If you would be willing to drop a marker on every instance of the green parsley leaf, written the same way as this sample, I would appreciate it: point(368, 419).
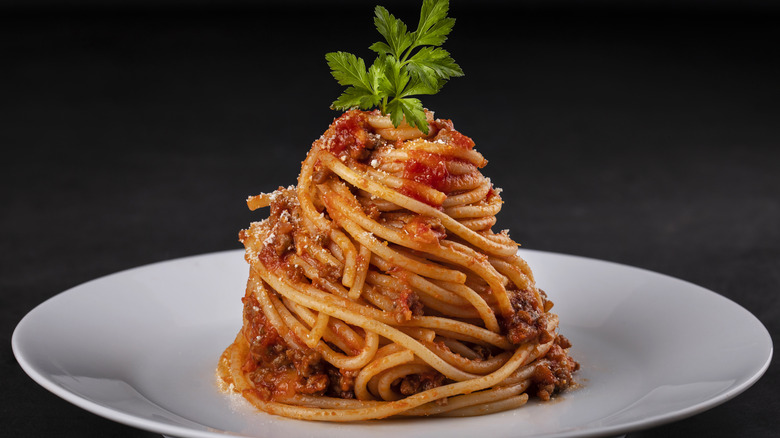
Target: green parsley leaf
point(357, 97)
point(348, 69)
point(410, 108)
point(436, 62)
point(381, 48)
point(399, 72)
point(394, 31)
point(434, 25)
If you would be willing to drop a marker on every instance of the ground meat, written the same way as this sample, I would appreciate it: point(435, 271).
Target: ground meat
point(261, 334)
point(407, 305)
point(277, 370)
point(316, 384)
point(554, 373)
point(342, 383)
point(414, 383)
point(482, 352)
point(326, 272)
point(290, 372)
point(371, 210)
point(563, 341)
point(526, 323)
point(520, 327)
point(277, 233)
point(283, 244)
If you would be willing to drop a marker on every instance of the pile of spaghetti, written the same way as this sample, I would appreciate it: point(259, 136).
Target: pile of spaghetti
point(377, 287)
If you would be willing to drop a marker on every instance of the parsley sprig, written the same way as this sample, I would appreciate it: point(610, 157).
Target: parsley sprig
point(407, 64)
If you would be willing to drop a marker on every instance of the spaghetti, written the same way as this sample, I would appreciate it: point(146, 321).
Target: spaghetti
point(377, 287)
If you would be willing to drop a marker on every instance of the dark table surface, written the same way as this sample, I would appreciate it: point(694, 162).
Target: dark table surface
point(647, 135)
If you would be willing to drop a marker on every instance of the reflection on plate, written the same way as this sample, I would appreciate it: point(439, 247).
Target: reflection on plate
point(140, 347)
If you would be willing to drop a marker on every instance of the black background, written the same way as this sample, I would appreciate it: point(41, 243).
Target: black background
point(646, 133)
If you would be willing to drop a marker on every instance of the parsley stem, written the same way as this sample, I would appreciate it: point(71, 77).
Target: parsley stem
point(407, 53)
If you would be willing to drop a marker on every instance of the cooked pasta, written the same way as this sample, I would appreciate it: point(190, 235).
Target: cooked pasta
point(377, 287)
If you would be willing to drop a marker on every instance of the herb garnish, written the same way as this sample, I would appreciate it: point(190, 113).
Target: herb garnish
point(399, 72)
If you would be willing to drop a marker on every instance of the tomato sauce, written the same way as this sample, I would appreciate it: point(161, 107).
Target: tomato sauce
point(448, 134)
point(427, 168)
point(348, 135)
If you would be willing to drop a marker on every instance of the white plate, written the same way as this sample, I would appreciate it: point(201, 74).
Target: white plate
point(140, 347)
